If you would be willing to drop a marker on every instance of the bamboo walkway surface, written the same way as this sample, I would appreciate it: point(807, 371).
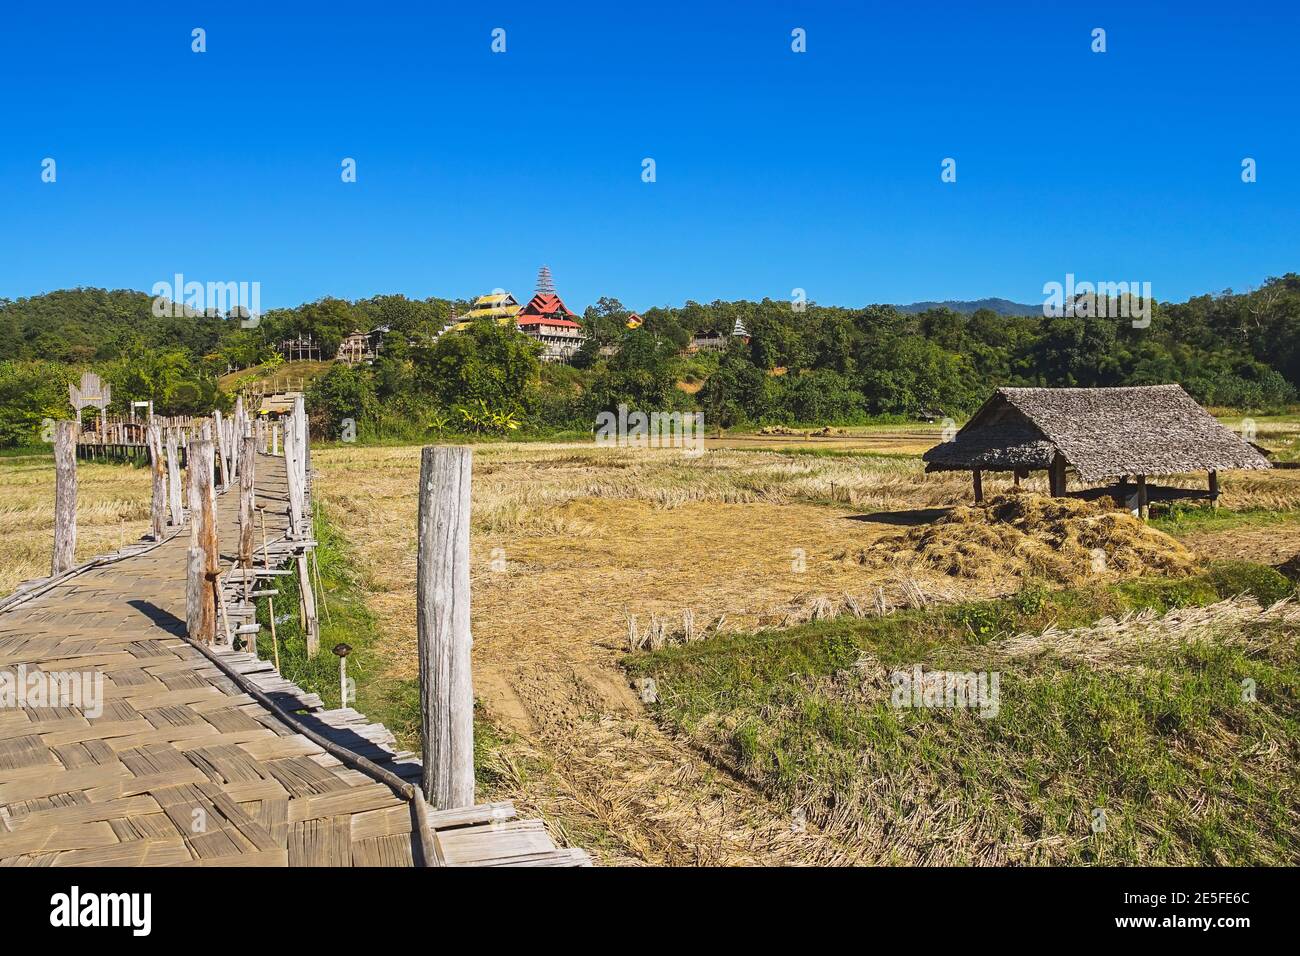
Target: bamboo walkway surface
point(181, 767)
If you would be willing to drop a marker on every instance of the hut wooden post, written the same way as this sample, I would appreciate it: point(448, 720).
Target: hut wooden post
point(979, 486)
point(247, 456)
point(65, 497)
point(158, 506)
point(1056, 477)
point(1144, 511)
point(443, 627)
point(174, 478)
point(200, 593)
point(1214, 489)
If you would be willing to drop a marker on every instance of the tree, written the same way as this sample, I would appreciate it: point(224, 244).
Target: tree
point(31, 392)
point(344, 392)
point(487, 362)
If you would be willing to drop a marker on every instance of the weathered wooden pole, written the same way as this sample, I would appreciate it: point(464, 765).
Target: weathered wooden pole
point(174, 479)
point(222, 461)
point(65, 497)
point(304, 437)
point(270, 598)
point(247, 456)
point(307, 606)
point(979, 486)
point(442, 622)
point(1144, 510)
point(1214, 489)
point(1057, 479)
point(294, 480)
point(158, 467)
point(203, 566)
point(236, 426)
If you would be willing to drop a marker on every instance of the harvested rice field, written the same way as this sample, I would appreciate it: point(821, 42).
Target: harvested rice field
point(112, 510)
point(583, 555)
point(762, 588)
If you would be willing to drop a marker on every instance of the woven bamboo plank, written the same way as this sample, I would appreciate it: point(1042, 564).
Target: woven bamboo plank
point(135, 853)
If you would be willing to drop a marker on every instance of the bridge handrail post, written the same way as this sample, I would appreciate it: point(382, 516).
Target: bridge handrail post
point(158, 468)
point(443, 627)
point(65, 496)
point(203, 564)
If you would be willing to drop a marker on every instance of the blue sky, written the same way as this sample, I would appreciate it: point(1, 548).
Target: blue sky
point(775, 170)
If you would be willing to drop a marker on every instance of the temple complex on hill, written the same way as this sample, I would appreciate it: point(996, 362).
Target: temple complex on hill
point(544, 318)
point(494, 305)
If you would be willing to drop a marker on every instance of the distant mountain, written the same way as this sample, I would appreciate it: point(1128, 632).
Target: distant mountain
point(1000, 306)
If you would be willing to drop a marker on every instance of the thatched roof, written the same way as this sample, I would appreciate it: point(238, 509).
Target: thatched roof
point(1102, 433)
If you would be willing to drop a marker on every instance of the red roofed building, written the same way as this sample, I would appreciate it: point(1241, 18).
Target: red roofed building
point(548, 320)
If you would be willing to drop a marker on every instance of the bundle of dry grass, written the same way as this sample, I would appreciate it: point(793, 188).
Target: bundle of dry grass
point(1061, 539)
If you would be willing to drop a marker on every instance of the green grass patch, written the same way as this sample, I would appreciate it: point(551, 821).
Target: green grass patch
point(1187, 519)
point(1162, 744)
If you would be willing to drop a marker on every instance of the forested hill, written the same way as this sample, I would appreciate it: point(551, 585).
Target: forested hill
point(1000, 306)
point(815, 364)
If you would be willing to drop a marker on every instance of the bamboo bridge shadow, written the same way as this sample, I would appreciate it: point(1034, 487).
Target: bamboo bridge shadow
point(164, 619)
point(909, 518)
point(343, 736)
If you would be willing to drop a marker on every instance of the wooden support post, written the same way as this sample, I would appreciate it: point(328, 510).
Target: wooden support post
point(979, 486)
point(158, 506)
point(200, 592)
point(307, 606)
point(174, 479)
point(247, 456)
point(1214, 489)
point(65, 497)
point(320, 588)
point(195, 590)
point(270, 598)
point(1056, 476)
point(442, 623)
point(1144, 511)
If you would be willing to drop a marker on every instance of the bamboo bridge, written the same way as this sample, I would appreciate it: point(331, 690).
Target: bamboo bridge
point(195, 751)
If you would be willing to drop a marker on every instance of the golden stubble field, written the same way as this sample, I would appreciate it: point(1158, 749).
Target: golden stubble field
point(112, 510)
point(570, 542)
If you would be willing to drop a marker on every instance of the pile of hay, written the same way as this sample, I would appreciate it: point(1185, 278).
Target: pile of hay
point(1061, 539)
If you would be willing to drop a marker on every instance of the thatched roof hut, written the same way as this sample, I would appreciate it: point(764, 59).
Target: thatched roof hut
point(1100, 433)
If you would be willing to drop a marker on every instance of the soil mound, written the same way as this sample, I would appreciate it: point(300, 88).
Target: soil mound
point(1062, 539)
